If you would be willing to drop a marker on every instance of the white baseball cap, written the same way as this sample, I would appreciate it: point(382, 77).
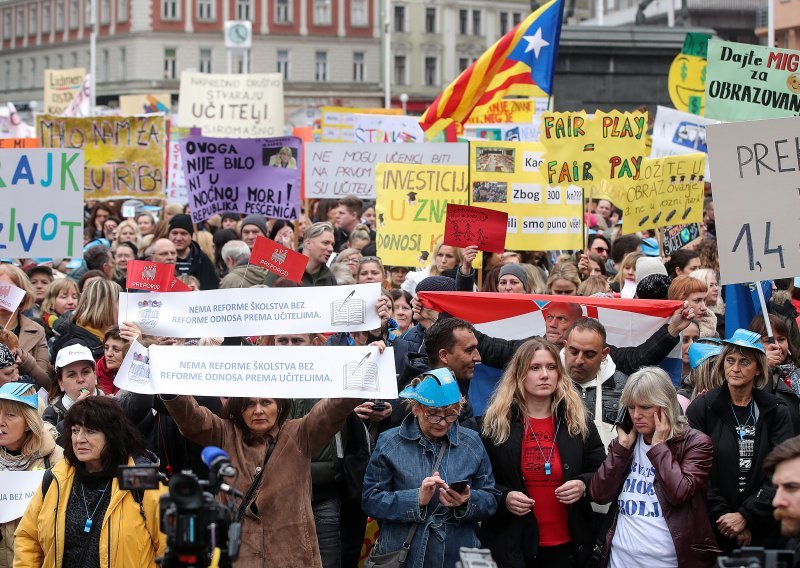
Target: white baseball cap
point(71, 354)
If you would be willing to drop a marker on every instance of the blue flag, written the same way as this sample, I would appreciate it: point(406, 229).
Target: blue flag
point(742, 305)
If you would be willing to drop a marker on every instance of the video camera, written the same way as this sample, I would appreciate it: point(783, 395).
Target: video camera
point(757, 557)
point(200, 531)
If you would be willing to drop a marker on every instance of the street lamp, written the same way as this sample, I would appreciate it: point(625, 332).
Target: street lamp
point(404, 101)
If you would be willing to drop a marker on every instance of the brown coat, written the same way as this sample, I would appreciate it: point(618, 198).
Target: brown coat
point(283, 534)
point(33, 350)
point(683, 465)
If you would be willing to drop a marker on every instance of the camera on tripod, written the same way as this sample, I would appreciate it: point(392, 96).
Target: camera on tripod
point(200, 531)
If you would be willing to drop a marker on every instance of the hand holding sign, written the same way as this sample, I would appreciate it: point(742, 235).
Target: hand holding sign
point(467, 226)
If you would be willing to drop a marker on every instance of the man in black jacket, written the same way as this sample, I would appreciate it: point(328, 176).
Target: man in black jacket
point(783, 465)
point(191, 260)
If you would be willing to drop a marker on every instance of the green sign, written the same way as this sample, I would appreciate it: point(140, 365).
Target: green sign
point(751, 82)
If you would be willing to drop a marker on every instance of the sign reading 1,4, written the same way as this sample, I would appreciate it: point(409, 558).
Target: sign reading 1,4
point(746, 234)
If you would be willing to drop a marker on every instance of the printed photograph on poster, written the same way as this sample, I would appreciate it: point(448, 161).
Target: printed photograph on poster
point(489, 192)
point(497, 160)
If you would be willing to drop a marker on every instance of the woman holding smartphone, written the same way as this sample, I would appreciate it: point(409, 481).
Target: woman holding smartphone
point(544, 517)
point(657, 471)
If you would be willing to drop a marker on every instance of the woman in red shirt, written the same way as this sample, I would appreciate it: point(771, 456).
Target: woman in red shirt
point(544, 517)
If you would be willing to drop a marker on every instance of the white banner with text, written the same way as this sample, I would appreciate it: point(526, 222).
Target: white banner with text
point(240, 312)
point(275, 372)
point(16, 490)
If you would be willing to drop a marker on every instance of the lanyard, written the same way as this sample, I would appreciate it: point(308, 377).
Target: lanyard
point(88, 525)
point(741, 428)
point(547, 467)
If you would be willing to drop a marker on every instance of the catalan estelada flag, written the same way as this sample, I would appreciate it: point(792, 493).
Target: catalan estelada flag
point(520, 61)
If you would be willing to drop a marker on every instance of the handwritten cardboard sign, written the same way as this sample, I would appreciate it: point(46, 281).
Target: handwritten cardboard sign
point(467, 226)
point(124, 155)
point(257, 175)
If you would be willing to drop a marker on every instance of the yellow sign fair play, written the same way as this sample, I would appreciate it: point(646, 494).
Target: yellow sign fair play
point(505, 176)
point(411, 207)
point(669, 191)
point(582, 150)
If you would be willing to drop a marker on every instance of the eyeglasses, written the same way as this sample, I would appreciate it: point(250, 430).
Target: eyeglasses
point(437, 418)
point(600, 249)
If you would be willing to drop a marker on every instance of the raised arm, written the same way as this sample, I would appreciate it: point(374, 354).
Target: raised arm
point(196, 422)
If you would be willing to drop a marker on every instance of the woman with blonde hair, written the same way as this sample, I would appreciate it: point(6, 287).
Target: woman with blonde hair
point(350, 257)
point(655, 448)
point(444, 257)
point(127, 232)
point(61, 297)
point(26, 444)
point(87, 325)
point(627, 271)
point(359, 238)
point(536, 413)
point(564, 280)
point(714, 301)
point(32, 343)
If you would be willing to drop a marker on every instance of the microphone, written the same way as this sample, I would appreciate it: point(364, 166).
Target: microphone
point(217, 461)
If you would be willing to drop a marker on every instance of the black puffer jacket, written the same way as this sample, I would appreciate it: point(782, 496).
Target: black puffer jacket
point(67, 332)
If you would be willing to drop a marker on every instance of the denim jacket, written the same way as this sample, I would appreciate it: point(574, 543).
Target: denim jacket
point(403, 457)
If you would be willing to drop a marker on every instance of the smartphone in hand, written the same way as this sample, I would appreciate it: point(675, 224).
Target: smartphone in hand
point(459, 486)
point(624, 420)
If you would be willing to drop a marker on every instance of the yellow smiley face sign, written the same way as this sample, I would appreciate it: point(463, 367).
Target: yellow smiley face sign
point(687, 83)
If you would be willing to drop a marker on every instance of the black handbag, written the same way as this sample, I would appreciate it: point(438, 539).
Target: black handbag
point(397, 559)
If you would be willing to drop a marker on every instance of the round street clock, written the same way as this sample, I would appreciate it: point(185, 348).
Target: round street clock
point(238, 34)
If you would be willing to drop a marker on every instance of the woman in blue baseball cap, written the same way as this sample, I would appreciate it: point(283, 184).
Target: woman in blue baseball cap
point(744, 423)
point(702, 358)
point(429, 481)
point(26, 444)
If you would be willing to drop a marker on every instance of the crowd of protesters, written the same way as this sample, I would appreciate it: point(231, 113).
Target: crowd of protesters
point(583, 454)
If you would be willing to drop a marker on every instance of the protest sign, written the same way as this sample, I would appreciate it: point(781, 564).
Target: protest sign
point(333, 171)
point(505, 176)
point(749, 82)
point(238, 312)
point(667, 191)
point(509, 110)
point(277, 258)
point(277, 372)
point(581, 150)
point(466, 226)
point(412, 202)
point(678, 236)
point(510, 132)
point(42, 213)
point(382, 129)
point(687, 74)
point(150, 276)
point(256, 175)
point(145, 104)
point(176, 182)
point(178, 286)
point(336, 124)
point(757, 164)
point(124, 155)
point(676, 132)
point(10, 143)
point(10, 297)
point(16, 491)
point(60, 87)
point(232, 106)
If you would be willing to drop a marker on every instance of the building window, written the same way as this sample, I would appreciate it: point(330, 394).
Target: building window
point(170, 10)
point(33, 71)
point(283, 63)
point(60, 60)
point(7, 25)
point(243, 10)
point(21, 22)
point(400, 18)
point(105, 74)
point(322, 12)
point(7, 73)
point(46, 19)
point(205, 10)
point(431, 80)
point(321, 66)
point(359, 67)
point(476, 22)
point(283, 11)
point(33, 20)
point(73, 14)
point(20, 74)
point(122, 14)
point(463, 22)
point(400, 70)
point(105, 11)
point(170, 63)
point(430, 20)
point(358, 12)
point(46, 62)
point(503, 23)
point(74, 59)
point(517, 18)
point(206, 61)
point(59, 16)
point(123, 63)
point(463, 63)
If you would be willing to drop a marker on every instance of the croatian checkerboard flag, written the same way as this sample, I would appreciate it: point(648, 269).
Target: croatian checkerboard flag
point(628, 323)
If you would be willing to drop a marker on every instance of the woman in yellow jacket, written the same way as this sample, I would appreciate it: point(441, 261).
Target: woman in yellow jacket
point(84, 518)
